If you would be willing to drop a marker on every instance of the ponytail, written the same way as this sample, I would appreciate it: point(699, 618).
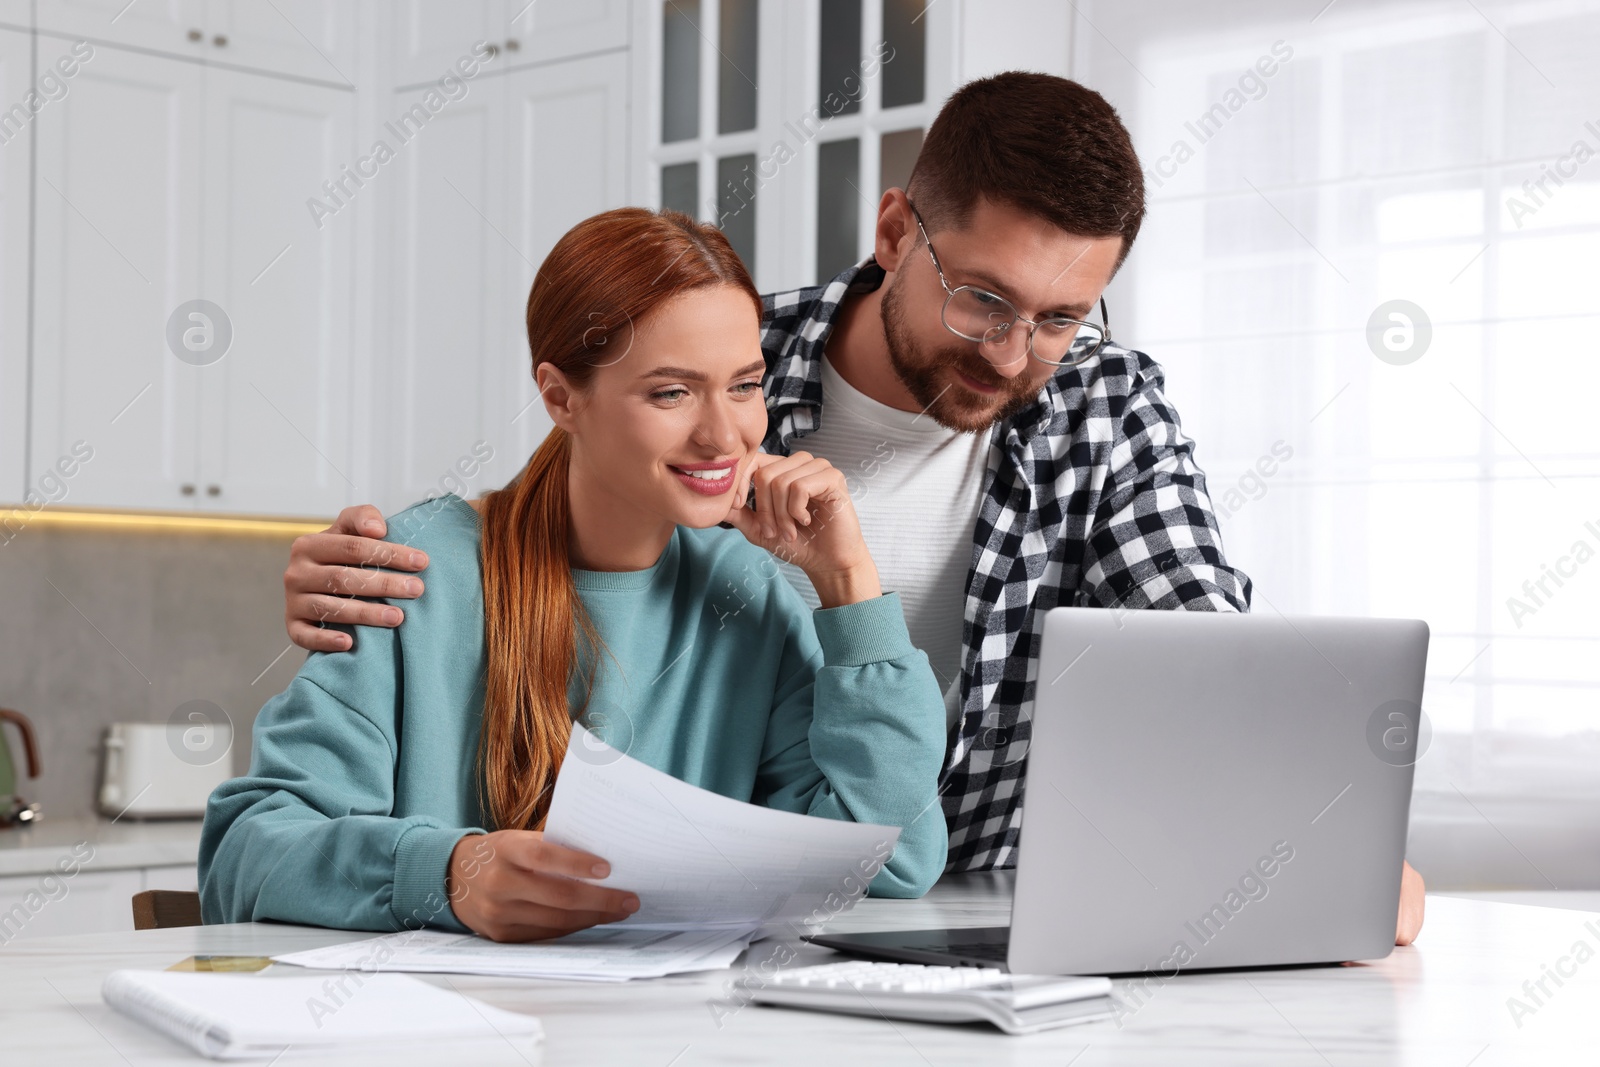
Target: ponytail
point(535, 633)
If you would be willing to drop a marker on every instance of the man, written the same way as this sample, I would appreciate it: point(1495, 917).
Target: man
point(1004, 456)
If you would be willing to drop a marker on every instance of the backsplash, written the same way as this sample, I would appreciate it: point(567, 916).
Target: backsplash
point(100, 626)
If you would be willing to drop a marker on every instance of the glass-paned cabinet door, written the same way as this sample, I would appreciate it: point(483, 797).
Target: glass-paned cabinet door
point(783, 121)
point(905, 77)
point(838, 205)
point(897, 154)
point(881, 97)
point(680, 187)
point(738, 39)
point(839, 56)
point(736, 195)
point(680, 70)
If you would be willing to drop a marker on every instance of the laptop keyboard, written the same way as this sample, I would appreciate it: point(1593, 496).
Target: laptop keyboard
point(983, 950)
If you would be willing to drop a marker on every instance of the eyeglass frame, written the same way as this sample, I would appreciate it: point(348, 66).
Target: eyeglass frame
point(1016, 316)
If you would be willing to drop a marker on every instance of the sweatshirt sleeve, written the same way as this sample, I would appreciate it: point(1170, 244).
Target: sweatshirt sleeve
point(857, 732)
point(307, 836)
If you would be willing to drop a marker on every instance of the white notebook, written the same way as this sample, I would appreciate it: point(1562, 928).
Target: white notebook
point(239, 1016)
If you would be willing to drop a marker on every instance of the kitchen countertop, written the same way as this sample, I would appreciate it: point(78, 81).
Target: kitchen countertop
point(117, 845)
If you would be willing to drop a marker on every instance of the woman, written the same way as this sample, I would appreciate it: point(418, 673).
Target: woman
point(597, 582)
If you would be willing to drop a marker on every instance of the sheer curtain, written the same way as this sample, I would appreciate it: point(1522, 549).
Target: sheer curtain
point(1371, 270)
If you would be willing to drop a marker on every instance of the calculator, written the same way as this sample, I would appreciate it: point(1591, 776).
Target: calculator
point(1016, 1003)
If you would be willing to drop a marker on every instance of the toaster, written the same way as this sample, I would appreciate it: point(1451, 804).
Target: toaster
point(163, 770)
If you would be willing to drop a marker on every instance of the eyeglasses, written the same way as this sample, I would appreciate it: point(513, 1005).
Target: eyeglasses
point(975, 314)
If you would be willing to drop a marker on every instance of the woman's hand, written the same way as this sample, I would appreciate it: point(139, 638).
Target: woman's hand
point(803, 515)
point(513, 885)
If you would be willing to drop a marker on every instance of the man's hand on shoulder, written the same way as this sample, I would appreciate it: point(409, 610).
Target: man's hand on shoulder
point(349, 559)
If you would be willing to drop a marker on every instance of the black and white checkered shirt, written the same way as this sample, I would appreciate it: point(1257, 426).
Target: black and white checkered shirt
point(1092, 498)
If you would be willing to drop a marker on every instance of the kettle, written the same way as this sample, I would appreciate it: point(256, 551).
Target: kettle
point(13, 809)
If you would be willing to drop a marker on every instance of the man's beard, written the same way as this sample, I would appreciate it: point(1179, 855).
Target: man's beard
point(949, 403)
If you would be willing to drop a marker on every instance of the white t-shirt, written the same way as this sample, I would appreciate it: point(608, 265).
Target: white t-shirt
point(917, 487)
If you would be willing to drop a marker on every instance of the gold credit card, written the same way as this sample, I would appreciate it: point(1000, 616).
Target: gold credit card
point(222, 963)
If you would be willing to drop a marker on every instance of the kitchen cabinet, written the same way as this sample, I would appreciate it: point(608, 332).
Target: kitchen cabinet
point(273, 426)
point(444, 290)
point(304, 38)
point(164, 26)
point(300, 38)
point(430, 35)
point(361, 330)
point(569, 136)
point(16, 210)
point(50, 905)
point(106, 278)
point(569, 30)
point(207, 200)
point(184, 879)
point(88, 902)
point(479, 200)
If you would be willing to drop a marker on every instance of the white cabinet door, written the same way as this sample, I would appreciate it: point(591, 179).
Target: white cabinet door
point(51, 905)
point(445, 293)
point(274, 410)
point(431, 35)
point(15, 211)
point(304, 38)
point(568, 135)
point(174, 26)
point(115, 250)
point(561, 29)
point(183, 879)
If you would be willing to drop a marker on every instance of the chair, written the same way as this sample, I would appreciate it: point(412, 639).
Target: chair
point(161, 909)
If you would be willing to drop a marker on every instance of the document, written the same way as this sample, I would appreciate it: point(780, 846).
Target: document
point(696, 858)
point(602, 953)
point(711, 873)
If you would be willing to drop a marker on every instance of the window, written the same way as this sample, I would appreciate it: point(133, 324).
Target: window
point(791, 163)
point(1368, 269)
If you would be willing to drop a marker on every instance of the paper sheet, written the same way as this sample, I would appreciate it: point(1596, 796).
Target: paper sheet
point(603, 953)
point(697, 858)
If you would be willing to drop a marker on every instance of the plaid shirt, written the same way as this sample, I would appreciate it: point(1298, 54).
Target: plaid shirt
point(1092, 498)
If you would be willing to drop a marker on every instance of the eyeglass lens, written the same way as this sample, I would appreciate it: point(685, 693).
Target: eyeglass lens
point(982, 316)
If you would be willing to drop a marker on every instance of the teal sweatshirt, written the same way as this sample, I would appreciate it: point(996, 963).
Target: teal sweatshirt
point(363, 773)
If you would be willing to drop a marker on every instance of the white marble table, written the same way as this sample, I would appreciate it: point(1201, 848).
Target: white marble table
point(1442, 1001)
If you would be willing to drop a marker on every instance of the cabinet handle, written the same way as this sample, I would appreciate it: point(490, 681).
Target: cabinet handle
point(220, 40)
point(493, 50)
point(213, 490)
point(186, 489)
point(196, 35)
point(513, 45)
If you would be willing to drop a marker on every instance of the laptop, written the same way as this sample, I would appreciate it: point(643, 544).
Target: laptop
point(1203, 791)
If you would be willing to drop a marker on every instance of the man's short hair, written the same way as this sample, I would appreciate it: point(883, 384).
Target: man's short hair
point(1043, 144)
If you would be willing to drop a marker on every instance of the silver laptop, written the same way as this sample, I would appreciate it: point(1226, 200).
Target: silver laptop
point(1204, 791)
